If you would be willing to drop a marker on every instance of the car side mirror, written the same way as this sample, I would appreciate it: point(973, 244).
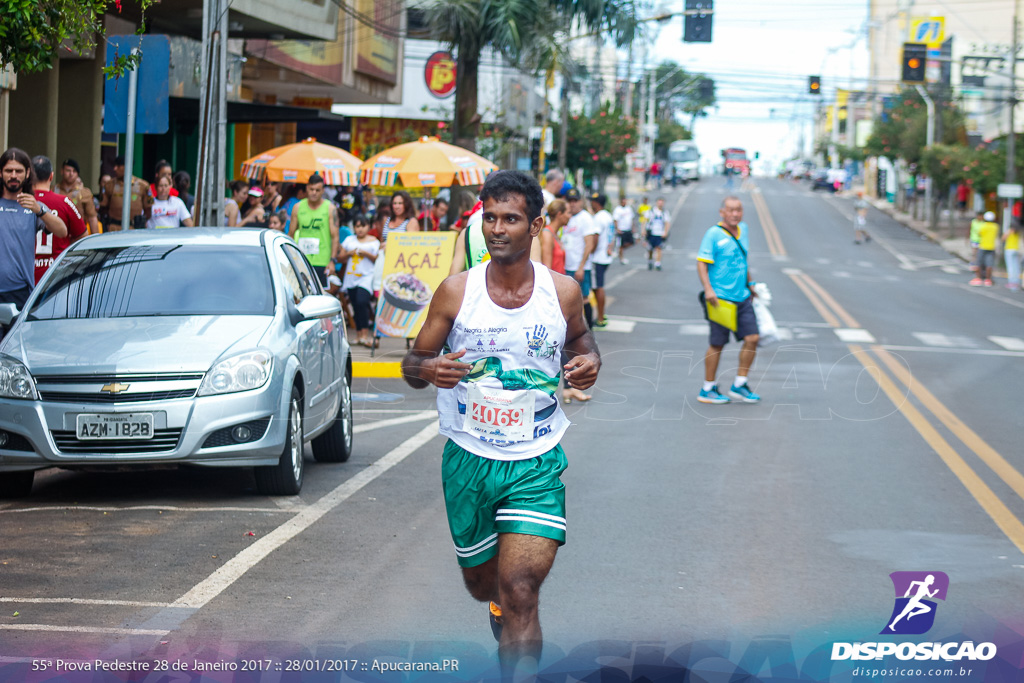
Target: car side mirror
point(8, 312)
point(318, 306)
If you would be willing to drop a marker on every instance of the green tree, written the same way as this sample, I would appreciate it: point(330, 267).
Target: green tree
point(599, 144)
point(514, 28)
point(31, 31)
point(669, 132)
point(901, 130)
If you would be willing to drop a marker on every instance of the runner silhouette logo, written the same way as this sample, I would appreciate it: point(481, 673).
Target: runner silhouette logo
point(916, 593)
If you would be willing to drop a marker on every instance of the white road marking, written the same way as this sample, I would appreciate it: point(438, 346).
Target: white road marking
point(86, 629)
point(620, 278)
point(415, 417)
point(614, 325)
point(236, 567)
point(1009, 343)
point(131, 508)
point(945, 341)
point(283, 504)
point(656, 321)
point(852, 335)
point(404, 411)
point(987, 291)
point(952, 270)
point(694, 329)
point(85, 601)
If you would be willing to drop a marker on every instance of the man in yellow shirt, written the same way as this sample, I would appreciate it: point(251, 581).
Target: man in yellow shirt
point(988, 234)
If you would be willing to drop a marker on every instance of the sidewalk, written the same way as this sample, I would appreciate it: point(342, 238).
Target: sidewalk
point(385, 362)
point(957, 246)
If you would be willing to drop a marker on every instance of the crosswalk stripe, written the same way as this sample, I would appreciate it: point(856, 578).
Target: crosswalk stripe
point(625, 326)
point(852, 335)
point(1009, 343)
point(945, 341)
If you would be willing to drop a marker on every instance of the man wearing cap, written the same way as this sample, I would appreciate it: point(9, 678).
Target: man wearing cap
point(113, 200)
point(579, 237)
point(71, 185)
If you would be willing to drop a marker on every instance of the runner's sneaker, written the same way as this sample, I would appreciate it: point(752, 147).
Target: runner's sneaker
point(650, 265)
point(657, 266)
point(711, 396)
point(603, 322)
point(624, 261)
point(976, 282)
point(988, 283)
point(494, 612)
point(744, 394)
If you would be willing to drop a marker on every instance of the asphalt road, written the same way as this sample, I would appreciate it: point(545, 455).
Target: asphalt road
point(887, 440)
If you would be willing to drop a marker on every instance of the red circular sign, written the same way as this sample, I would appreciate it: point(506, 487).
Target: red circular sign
point(440, 74)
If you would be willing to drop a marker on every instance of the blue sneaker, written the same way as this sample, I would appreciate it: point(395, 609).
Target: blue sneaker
point(744, 394)
point(711, 396)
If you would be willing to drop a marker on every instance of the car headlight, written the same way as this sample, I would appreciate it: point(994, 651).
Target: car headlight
point(16, 381)
point(243, 372)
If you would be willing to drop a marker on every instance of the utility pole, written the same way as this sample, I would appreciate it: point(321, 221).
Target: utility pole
point(213, 115)
point(1011, 141)
point(929, 141)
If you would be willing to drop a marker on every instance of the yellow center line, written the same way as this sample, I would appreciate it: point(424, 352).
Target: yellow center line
point(994, 507)
point(815, 301)
point(986, 498)
point(771, 232)
point(970, 438)
point(847, 319)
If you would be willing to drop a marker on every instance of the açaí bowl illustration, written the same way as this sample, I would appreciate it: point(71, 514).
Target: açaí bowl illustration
point(405, 295)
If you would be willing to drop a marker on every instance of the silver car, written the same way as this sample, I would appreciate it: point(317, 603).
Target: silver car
point(212, 347)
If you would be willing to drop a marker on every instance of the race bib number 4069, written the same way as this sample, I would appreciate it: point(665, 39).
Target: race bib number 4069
point(499, 414)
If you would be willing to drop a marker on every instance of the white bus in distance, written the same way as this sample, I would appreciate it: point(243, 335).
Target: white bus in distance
point(683, 161)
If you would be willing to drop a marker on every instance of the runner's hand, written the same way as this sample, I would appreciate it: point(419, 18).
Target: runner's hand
point(709, 296)
point(581, 372)
point(445, 371)
point(578, 275)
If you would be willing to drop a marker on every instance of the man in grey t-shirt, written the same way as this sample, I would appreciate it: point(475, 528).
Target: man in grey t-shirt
point(20, 215)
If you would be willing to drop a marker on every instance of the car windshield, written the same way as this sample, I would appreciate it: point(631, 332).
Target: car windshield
point(157, 280)
point(689, 154)
point(736, 156)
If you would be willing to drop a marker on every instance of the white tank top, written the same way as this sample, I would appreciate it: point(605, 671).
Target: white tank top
point(517, 362)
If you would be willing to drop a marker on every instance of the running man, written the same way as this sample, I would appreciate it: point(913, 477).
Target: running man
point(659, 223)
point(914, 606)
point(492, 343)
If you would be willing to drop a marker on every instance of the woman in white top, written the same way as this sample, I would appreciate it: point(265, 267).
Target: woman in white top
point(403, 216)
point(239, 191)
point(168, 211)
point(361, 251)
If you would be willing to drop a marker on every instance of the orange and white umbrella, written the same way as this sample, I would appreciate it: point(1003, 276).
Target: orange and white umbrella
point(427, 162)
point(295, 163)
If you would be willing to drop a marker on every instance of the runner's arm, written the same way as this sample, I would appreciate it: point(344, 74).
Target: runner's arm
point(459, 257)
point(705, 281)
point(580, 345)
point(334, 240)
point(424, 364)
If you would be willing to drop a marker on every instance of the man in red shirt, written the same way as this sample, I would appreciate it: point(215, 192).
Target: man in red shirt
point(49, 247)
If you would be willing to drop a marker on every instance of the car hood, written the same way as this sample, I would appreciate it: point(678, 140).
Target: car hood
point(132, 345)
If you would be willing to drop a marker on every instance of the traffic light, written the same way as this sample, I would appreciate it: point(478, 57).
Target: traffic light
point(697, 21)
point(814, 85)
point(535, 155)
point(914, 57)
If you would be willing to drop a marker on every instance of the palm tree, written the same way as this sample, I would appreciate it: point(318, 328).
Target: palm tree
point(514, 29)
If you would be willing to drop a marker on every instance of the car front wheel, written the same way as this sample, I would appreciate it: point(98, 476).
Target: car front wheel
point(335, 444)
point(285, 478)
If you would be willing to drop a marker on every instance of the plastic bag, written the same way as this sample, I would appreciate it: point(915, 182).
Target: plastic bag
point(766, 327)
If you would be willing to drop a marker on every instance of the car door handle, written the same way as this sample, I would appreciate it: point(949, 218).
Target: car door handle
point(323, 334)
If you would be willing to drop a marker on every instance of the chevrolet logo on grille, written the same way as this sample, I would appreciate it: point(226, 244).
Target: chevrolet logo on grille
point(115, 388)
